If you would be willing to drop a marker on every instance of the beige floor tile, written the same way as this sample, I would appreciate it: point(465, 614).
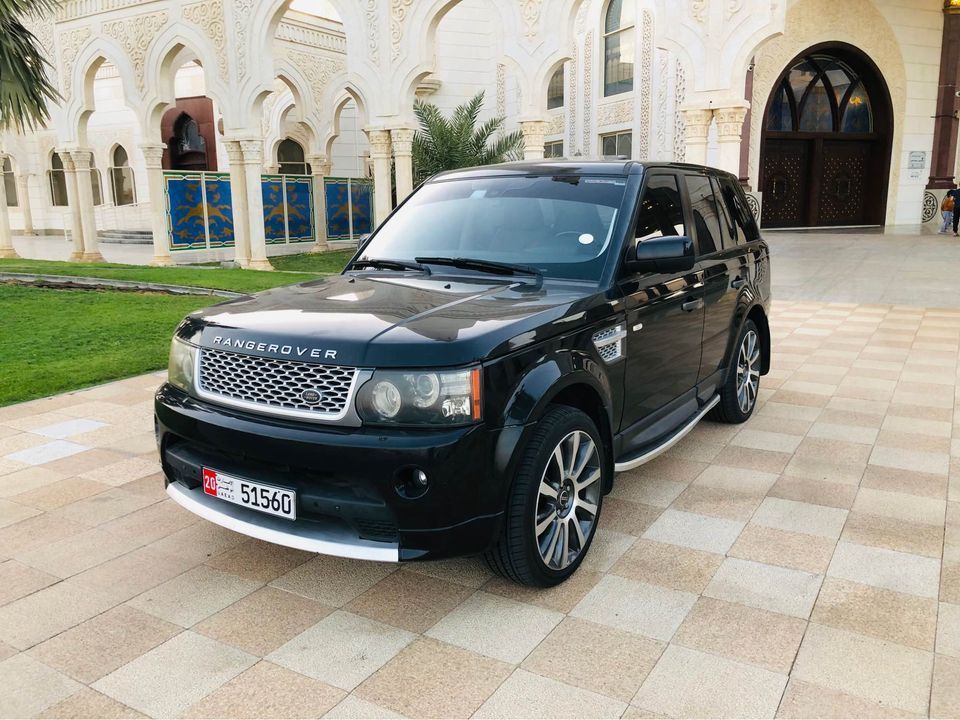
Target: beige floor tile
point(736, 480)
point(803, 700)
point(30, 687)
point(268, 691)
point(471, 572)
point(851, 418)
point(668, 468)
point(792, 397)
point(815, 492)
point(950, 582)
point(198, 542)
point(670, 566)
point(780, 425)
point(892, 534)
point(609, 661)
point(913, 441)
point(58, 494)
point(193, 596)
point(354, 708)
point(825, 470)
point(152, 523)
point(562, 598)
point(122, 472)
point(785, 549)
point(758, 585)
point(181, 671)
point(333, 581)
point(800, 517)
point(694, 531)
point(646, 491)
point(763, 440)
point(103, 507)
point(103, 643)
point(904, 481)
point(689, 683)
point(129, 575)
point(899, 506)
point(18, 580)
point(650, 610)
point(839, 451)
point(758, 637)
point(27, 480)
point(945, 694)
point(948, 630)
point(897, 617)
point(342, 649)
point(606, 548)
point(48, 612)
point(82, 462)
point(528, 695)
point(843, 432)
point(897, 571)
point(12, 513)
point(263, 620)
point(866, 667)
point(259, 560)
point(627, 517)
point(408, 600)
point(76, 553)
point(90, 704)
point(716, 502)
point(750, 459)
point(915, 460)
point(427, 679)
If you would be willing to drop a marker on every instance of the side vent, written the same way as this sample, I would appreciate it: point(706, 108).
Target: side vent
point(609, 343)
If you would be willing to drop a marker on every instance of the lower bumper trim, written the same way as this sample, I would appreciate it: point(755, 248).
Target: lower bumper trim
point(277, 530)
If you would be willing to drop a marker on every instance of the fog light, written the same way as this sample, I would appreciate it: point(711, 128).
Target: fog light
point(420, 477)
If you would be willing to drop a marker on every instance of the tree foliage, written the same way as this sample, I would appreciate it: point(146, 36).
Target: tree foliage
point(25, 87)
point(459, 141)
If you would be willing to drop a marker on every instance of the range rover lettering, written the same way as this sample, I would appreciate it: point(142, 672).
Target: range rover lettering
point(509, 339)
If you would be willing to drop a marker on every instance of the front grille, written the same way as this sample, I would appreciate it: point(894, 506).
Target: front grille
point(276, 385)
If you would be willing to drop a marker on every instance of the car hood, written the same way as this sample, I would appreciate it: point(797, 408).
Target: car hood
point(392, 319)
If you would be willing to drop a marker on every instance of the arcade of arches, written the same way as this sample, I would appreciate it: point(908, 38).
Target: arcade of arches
point(831, 114)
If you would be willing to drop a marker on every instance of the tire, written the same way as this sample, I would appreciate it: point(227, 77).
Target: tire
point(738, 401)
point(532, 526)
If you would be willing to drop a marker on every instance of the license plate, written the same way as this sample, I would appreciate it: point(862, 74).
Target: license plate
point(265, 498)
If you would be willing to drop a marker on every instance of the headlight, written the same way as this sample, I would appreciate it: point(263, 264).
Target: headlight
point(183, 360)
point(404, 397)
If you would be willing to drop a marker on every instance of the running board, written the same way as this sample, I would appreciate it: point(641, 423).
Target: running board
point(669, 442)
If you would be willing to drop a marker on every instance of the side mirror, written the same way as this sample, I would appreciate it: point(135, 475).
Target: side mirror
point(669, 254)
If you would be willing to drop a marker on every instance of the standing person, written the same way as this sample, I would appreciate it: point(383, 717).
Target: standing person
point(955, 194)
point(946, 209)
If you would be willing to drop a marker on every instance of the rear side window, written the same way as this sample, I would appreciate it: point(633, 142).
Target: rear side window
point(743, 228)
point(706, 219)
point(660, 210)
point(726, 221)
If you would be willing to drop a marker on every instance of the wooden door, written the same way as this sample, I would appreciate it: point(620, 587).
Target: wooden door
point(843, 182)
point(786, 186)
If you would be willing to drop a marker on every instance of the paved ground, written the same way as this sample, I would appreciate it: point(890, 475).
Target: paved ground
point(804, 564)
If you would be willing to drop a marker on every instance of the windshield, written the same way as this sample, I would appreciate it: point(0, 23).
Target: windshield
point(560, 225)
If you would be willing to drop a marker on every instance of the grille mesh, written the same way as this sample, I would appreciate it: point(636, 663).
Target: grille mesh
point(275, 383)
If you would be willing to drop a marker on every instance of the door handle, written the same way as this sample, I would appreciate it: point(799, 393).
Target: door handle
point(692, 305)
point(738, 283)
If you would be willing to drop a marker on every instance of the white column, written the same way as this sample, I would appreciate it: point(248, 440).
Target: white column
point(73, 204)
point(402, 141)
point(533, 132)
point(153, 157)
point(252, 166)
point(730, 131)
point(6, 236)
point(238, 203)
point(697, 123)
point(319, 169)
point(81, 161)
point(23, 198)
point(382, 190)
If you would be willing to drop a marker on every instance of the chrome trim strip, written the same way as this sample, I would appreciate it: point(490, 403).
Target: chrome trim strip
point(272, 529)
point(669, 443)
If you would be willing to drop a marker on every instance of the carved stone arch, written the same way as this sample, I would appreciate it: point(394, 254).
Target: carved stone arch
point(337, 101)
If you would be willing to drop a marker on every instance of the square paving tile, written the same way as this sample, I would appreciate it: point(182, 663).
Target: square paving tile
point(65, 429)
point(897, 571)
point(26, 480)
point(800, 517)
point(198, 542)
point(58, 493)
point(802, 700)
point(689, 683)
point(527, 695)
point(259, 560)
point(48, 612)
point(129, 575)
point(90, 704)
point(636, 607)
point(29, 687)
point(767, 587)
point(562, 598)
point(47, 452)
point(900, 506)
point(948, 630)
point(694, 531)
point(429, 678)
point(12, 513)
point(483, 621)
point(76, 553)
point(671, 566)
point(945, 695)
point(892, 534)
point(333, 581)
point(193, 596)
point(717, 502)
point(152, 522)
point(786, 549)
point(408, 600)
point(342, 649)
point(353, 708)
point(181, 671)
point(18, 580)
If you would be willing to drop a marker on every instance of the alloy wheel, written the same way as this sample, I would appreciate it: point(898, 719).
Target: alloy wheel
point(568, 500)
point(748, 372)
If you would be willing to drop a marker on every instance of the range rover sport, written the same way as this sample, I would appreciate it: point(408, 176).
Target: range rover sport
point(510, 338)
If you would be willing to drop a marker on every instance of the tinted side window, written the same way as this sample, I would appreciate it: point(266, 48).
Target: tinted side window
point(660, 210)
point(727, 225)
point(744, 224)
point(703, 205)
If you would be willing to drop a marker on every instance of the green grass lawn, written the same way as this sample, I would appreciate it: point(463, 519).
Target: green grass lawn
point(295, 268)
point(58, 340)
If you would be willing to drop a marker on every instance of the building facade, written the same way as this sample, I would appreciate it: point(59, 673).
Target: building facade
point(832, 114)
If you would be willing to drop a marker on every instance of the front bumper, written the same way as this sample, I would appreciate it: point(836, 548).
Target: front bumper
point(346, 480)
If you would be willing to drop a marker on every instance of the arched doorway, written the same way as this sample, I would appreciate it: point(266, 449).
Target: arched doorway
point(828, 127)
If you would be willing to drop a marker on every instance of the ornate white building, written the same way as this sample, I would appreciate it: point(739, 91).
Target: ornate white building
point(828, 111)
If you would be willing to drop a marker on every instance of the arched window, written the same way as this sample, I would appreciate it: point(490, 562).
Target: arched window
point(188, 148)
point(121, 178)
point(9, 183)
point(95, 182)
point(555, 89)
point(291, 159)
point(58, 182)
point(821, 94)
point(618, 47)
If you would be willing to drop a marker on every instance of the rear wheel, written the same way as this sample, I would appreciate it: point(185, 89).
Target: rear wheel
point(554, 504)
point(738, 396)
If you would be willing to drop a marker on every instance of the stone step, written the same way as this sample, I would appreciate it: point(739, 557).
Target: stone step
point(126, 237)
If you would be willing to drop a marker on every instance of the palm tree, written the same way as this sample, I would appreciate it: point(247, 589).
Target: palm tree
point(24, 85)
point(457, 142)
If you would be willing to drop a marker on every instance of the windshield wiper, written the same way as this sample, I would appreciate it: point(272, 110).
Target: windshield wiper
point(386, 264)
point(496, 268)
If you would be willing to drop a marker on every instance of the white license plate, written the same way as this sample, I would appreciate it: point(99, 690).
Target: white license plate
point(265, 498)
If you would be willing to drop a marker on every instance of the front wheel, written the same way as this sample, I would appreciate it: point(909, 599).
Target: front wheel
point(738, 396)
point(554, 504)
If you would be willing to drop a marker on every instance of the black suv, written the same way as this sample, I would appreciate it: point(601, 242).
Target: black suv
point(504, 343)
